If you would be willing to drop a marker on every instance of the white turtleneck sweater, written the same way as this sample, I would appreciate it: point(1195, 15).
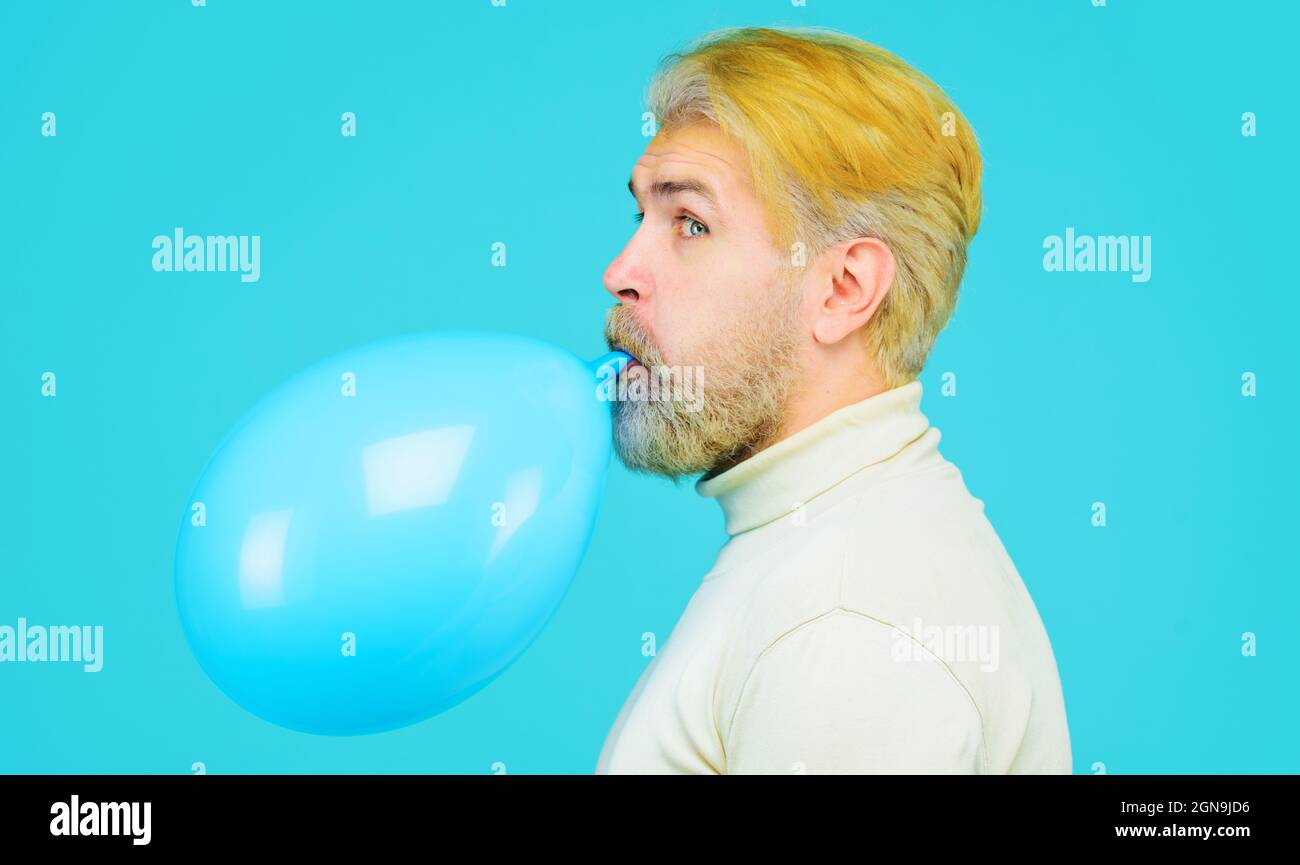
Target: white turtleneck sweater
point(863, 617)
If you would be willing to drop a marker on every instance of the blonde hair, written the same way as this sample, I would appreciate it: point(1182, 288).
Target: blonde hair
point(844, 140)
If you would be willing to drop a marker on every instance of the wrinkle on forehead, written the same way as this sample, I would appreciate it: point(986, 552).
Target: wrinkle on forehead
point(701, 145)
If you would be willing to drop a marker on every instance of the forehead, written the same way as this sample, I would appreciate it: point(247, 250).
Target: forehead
point(699, 151)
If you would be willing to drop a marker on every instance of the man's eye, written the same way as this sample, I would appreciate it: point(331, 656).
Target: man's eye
point(639, 217)
point(689, 220)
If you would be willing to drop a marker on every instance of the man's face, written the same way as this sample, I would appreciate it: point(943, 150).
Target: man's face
point(702, 291)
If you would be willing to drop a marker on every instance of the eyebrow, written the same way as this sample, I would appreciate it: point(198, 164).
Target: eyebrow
point(669, 188)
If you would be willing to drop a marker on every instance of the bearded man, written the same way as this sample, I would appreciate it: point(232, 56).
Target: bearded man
point(806, 208)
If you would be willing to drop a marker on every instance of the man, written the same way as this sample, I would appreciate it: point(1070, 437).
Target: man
point(805, 213)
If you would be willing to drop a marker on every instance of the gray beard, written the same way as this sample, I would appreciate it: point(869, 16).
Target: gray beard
point(741, 411)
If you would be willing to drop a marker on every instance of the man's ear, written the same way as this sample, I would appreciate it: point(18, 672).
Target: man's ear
point(861, 273)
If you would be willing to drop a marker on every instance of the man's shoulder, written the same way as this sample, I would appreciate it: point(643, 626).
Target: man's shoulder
point(911, 531)
point(901, 528)
point(908, 548)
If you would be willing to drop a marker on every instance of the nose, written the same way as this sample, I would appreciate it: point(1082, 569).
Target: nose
point(626, 278)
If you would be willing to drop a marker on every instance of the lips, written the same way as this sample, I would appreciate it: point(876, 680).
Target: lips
point(632, 362)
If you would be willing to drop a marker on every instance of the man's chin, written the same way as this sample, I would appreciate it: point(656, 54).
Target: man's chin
point(646, 445)
point(651, 446)
point(647, 458)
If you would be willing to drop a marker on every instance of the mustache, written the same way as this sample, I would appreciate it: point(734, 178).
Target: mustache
point(624, 333)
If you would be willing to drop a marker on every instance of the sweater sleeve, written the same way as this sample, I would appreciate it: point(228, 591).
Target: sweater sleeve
point(831, 696)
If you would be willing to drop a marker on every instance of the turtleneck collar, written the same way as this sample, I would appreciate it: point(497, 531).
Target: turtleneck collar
point(767, 485)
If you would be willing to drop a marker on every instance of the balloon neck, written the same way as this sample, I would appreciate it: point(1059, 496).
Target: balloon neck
point(609, 364)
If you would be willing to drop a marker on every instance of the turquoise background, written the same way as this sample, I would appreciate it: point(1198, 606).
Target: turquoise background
point(521, 124)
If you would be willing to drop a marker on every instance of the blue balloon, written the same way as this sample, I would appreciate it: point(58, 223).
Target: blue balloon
point(382, 535)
